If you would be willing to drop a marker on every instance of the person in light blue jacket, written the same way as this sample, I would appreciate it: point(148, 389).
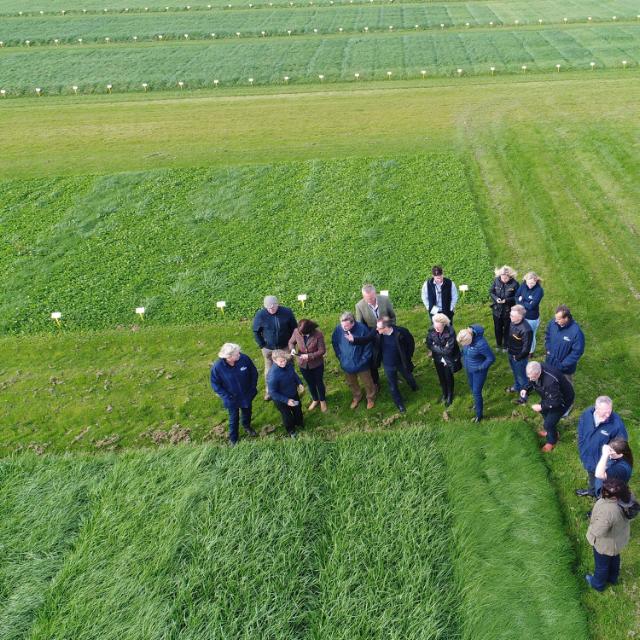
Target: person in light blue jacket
point(477, 357)
point(564, 342)
point(529, 295)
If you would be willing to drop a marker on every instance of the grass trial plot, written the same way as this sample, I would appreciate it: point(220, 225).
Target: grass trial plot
point(177, 241)
point(361, 538)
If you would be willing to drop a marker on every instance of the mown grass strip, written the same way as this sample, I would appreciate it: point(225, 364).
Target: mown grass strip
point(267, 61)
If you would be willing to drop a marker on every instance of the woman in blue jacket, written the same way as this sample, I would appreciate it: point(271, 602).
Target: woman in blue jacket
point(285, 387)
point(234, 378)
point(616, 461)
point(529, 295)
point(477, 357)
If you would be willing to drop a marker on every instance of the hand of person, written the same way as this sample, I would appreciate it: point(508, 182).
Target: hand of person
point(291, 402)
point(304, 357)
point(537, 407)
point(300, 389)
point(349, 336)
point(607, 450)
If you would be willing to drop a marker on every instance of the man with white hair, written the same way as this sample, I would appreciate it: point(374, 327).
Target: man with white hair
point(234, 378)
point(556, 395)
point(272, 328)
point(597, 426)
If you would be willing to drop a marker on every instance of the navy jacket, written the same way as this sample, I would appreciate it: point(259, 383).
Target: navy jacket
point(272, 331)
point(237, 385)
point(477, 355)
point(530, 299)
point(354, 357)
point(590, 439)
point(618, 468)
point(556, 392)
point(564, 345)
point(282, 383)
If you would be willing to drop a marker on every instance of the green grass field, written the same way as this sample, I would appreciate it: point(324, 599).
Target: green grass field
point(537, 170)
point(300, 540)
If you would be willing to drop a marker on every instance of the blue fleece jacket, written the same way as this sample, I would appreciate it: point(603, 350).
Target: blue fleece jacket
point(477, 355)
point(530, 299)
point(564, 345)
point(591, 438)
point(237, 385)
point(282, 383)
point(353, 358)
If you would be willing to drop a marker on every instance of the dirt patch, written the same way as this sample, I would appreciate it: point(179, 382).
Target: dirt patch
point(107, 444)
point(177, 434)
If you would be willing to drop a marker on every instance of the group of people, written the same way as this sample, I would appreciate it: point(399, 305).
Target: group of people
point(370, 338)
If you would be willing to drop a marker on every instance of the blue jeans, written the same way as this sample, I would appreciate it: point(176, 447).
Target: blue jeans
point(234, 419)
point(607, 569)
point(315, 382)
point(476, 382)
point(519, 368)
point(392, 380)
point(534, 324)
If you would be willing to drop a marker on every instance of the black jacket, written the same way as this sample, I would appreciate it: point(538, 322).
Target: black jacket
point(444, 347)
point(272, 331)
point(520, 339)
point(406, 346)
point(556, 392)
point(503, 291)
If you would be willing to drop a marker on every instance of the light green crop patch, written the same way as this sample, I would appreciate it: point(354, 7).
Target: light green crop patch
point(178, 241)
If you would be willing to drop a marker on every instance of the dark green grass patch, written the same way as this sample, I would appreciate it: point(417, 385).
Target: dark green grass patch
point(268, 60)
point(362, 538)
point(178, 241)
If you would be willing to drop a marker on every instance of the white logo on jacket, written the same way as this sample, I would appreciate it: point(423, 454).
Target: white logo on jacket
point(243, 368)
point(567, 338)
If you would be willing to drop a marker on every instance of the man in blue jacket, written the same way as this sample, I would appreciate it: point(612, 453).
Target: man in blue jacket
point(272, 328)
point(597, 426)
point(564, 342)
point(234, 378)
point(353, 344)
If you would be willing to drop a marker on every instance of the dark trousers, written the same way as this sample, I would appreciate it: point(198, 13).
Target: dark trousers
point(375, 374)
point(592, 481)
point(519, 369)
point(501, 330)
point(476, 382)
point(551, 419)
point(291, 416)
point(445, 375)
point(234, 419)
point(392, 381)
point(607, 569)
point(315, 381)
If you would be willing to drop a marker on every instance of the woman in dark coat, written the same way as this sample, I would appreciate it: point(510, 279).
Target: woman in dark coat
point(503, 294)
point(307, 343)
point(441, 341)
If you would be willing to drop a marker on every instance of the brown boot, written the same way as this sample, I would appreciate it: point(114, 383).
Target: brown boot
point(313, 405)
point(323, 406)
point(355, 402)
point(370, 404)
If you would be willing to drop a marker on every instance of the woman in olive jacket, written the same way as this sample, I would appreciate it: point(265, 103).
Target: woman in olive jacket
point(441, 341)
point(307, 344)
point(608, 533)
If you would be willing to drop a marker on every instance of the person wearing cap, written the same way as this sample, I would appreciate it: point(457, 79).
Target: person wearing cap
point(234, 378)
point(439, 294)
point(503, 294)
point(396, 346)
point(369, 310)
point(273, 326)
point(556, 395)
point(353, 345)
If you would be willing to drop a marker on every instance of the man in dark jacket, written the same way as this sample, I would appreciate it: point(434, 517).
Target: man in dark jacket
point(564, 342)
point(597, 426)
point(353, 345)
point(234, 378)
point(520, 337)
point(503, 296)
point(396, 346)
point(272, 328)
point(556, 395)
point(439, 294)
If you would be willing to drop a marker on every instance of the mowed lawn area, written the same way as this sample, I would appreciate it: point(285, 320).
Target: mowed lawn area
point(441, 529)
